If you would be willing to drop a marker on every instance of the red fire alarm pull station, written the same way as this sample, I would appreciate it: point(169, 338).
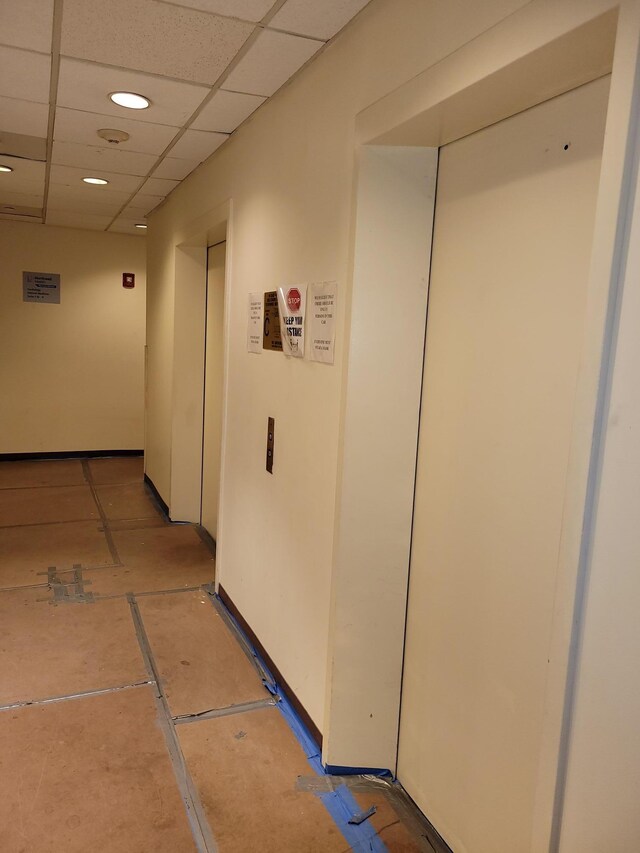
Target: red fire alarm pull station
point(128, 280)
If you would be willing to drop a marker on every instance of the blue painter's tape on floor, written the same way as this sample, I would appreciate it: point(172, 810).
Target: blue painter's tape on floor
point(341, 770)
point(340, 803)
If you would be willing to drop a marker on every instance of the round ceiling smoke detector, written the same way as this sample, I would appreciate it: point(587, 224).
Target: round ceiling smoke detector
point(115, 137)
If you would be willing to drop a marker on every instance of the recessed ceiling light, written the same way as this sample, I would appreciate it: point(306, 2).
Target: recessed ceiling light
point(4, 168)
point(100, 181)
point(130, 100)
point(140, 225)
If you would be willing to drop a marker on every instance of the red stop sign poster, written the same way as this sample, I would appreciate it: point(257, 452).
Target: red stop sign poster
point(294, 300)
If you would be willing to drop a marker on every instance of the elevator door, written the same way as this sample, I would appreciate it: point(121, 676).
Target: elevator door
point(213, 387)
point(512, 240)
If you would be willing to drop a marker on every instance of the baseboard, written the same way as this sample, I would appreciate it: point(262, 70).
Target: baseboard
point(156, 494)
point(299, 708)
point(66, 454)
point(207, 538)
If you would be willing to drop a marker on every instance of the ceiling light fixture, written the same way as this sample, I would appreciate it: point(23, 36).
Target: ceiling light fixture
point(100, 181)
point(140, 225)
point(130, 100)
point(4, 168)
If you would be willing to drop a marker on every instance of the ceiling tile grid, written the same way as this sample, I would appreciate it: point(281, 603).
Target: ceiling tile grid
point(24, 74)
point(226, 110)
point(27, 23)
point(246, 10)
point(205, 66)
point(24, 117)
point(101, 160)
point(178, 42)
point(270, 61)
point(317, 20)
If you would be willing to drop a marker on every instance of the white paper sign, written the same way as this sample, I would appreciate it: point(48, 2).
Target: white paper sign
point(41, 287)
point(292, 303)
point(254, 323)
point(322, 320)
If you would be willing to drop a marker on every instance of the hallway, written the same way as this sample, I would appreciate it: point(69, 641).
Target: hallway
point(133, 714)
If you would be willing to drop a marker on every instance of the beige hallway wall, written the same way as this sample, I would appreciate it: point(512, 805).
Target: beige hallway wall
point(71, 375)
point(289, 173)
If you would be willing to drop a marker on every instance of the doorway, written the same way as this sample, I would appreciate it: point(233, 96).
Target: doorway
point(213, 388)
point(514, 221)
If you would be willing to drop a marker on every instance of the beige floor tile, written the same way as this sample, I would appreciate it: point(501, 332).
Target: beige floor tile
point(54, 472)
point(245, 768)
point(91, 774)
point(200, 662)
point(58, 649)
point(132, 500)
point(120, 581)
point(155, 558)
point(46, 505)
point(117, 470)
point(26, 552)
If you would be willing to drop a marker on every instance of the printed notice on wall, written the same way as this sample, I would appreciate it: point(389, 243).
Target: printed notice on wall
point(291, 302)
point(41, 287)
point(322, 320)
point(254, 323)
point(271, 337)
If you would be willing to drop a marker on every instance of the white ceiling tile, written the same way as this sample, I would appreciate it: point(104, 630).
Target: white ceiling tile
point(87, 221)
point(27, 23)
point(27, 176)
point(24, 75)
point(86, 86)
point(175, 169)
point(197, 144)
point(150, 36)
point(17, 199)
point(128, 226)
point(142, 203)
point(82, 128)
point(72, 177)
point(158, 186)
point(29, 168)
point(226, 110)
point(270, 61)
point(134, 214)
point(103, 159)
point(248, 10)
point(319, 20)
point(62, 197)
point(25, 117)
point(24, 146)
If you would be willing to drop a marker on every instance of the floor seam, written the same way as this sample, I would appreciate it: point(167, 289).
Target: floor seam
point(200, 828)
point(83, 694)
point(103, 516)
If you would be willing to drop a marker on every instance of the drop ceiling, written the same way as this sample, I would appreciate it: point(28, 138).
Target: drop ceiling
point(204, 65)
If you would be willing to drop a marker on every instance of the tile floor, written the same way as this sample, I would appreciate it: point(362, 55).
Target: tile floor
point(132, 717)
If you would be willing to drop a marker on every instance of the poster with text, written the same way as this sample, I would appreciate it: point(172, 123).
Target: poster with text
point(322, 320)
point(291, 302)
point(271, 337)
point(254, 323)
